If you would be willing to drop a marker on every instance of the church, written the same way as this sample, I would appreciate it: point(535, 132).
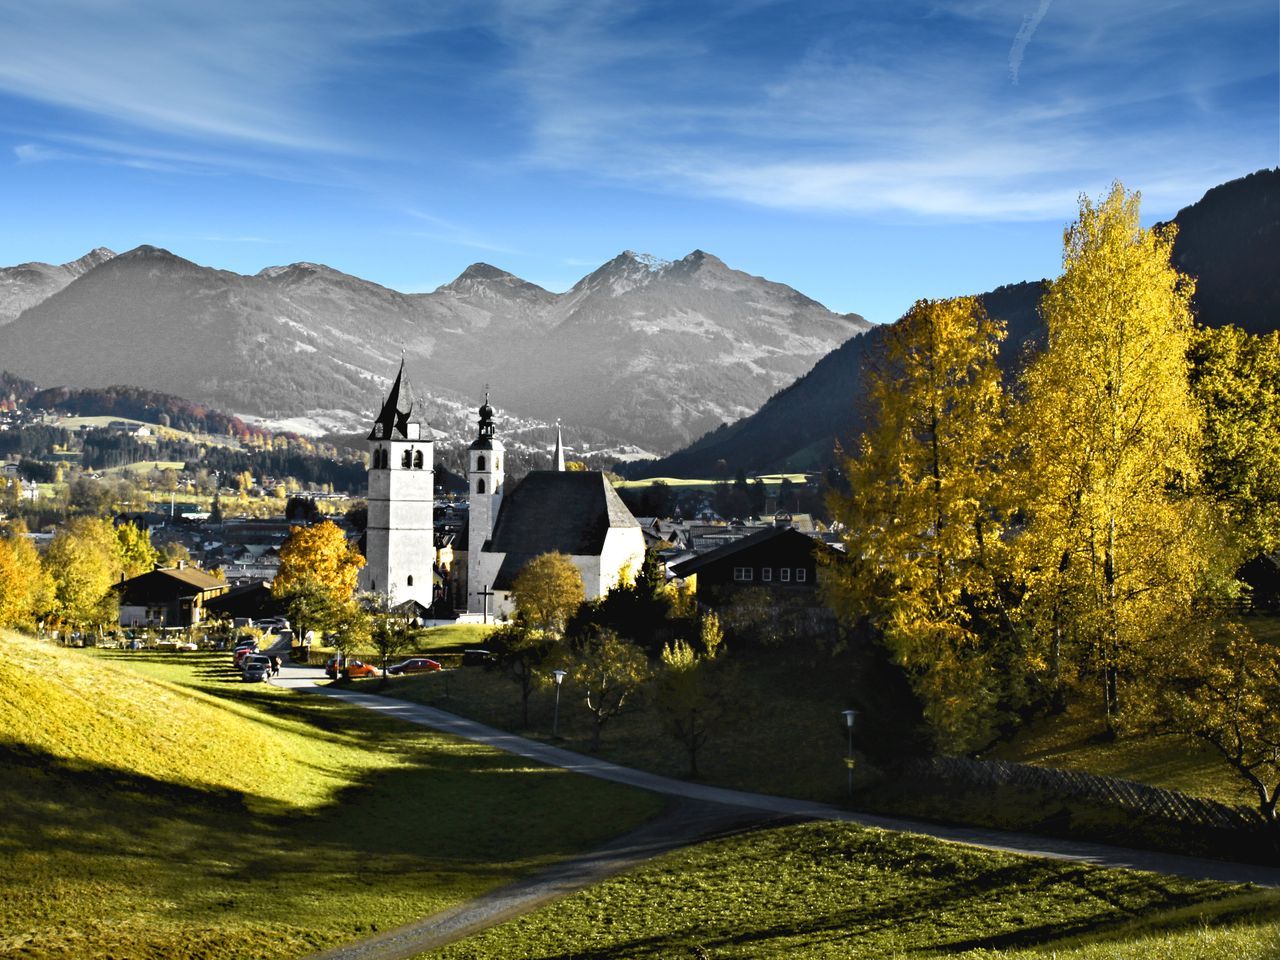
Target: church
point(576, 513)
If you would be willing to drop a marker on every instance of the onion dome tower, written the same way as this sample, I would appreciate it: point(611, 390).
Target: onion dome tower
point(485, 487)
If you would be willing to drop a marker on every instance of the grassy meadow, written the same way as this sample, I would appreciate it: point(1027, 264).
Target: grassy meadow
point(827, 890)
point(156, 806)
point(784, 734)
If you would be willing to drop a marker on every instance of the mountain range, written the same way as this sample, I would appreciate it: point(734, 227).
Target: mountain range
point(640, 351)
point(1229, 241)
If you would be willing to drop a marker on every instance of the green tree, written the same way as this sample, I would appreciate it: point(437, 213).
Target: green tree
point(610, 670)
point(84, 560)
point(1116, 543)
point(391, 633)
point(311, 606)
point(1220, 684)
point(692, 694)
point(1235, 379)
point(922, 519)
point(520, 653)
point(547, 592)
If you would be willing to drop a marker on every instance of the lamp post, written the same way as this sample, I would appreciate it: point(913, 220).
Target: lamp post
point(849, 717)
point(555, 725)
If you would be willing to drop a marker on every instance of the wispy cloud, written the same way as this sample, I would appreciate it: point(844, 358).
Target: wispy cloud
point(1023, 37)
point(236, 70)
point(903, 112)
point(452, 233)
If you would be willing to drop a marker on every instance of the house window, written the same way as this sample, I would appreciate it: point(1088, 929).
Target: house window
point(801, 574)
point(480, 462)
point(742, 574)
point(766, 574)
point(784, 574)
point(480, 485)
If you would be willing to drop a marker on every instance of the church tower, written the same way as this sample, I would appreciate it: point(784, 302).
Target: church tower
point(400, 546)
point(484, 496)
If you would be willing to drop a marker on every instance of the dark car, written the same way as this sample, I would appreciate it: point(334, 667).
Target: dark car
point(476, 657)
point(414, 665)
point(257, 672)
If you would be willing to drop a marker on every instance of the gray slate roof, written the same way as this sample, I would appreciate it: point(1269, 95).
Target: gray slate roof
point(551, 511)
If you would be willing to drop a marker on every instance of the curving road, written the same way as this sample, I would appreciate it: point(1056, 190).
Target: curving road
point(698, 811)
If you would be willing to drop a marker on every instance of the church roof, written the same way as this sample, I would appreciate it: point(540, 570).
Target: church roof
point(553, 511)
point(393, 422)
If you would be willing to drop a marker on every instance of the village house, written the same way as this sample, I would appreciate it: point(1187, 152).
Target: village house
point(173, 597)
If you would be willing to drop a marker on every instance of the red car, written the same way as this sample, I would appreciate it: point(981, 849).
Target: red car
point(414, 665)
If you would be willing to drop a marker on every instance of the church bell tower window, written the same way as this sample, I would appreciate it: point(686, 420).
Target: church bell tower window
point(480, 462)
point(406, 460)
point(417, 460)
point(480, 485)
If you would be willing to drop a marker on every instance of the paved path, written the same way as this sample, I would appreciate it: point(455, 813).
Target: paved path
point(304, 678)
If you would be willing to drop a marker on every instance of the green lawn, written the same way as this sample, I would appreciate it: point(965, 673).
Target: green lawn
point(1072, 741)
point(156, 806)
point(829, 890)
point(784, 735)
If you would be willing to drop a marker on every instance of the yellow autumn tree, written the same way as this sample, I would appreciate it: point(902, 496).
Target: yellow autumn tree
point(1117, 543)
point(921, 520)
point(318, 556)
point(137, 554)
point(84, 561)
point(317, 577)
point(26, 589)
point(547, 592)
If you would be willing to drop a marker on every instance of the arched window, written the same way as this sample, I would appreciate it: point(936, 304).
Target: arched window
point(417, 460)
point(407, 460)
point(480, 485)
point(497, 462)
point(480, 462)
point(410, 583)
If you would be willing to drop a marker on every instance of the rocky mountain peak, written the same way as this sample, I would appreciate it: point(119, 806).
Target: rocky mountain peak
point(96, 256)
point(483, 271)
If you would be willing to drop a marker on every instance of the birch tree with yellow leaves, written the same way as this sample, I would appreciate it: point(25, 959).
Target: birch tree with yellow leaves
point(1118, 543)
point(922, 519)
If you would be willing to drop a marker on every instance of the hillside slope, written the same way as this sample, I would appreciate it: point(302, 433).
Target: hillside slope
point(156, 806)
point(1229, 241)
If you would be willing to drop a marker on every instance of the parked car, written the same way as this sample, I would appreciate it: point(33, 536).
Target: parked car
point(476, 657)
point(238, 655)
point(257, 672)
point(357, 668)
point(414, 665)
point(333, 666)
point(255, 660)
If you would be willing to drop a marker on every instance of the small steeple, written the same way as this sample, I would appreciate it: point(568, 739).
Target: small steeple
point(486, 418)
point(559, 455)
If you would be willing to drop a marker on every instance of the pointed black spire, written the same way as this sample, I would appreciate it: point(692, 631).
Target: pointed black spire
point(393, 422)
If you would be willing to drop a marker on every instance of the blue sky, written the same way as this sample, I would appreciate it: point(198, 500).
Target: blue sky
point(867, 153)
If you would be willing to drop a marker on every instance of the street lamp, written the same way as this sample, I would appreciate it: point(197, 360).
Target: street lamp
point(555, 725)
point(849, 717)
